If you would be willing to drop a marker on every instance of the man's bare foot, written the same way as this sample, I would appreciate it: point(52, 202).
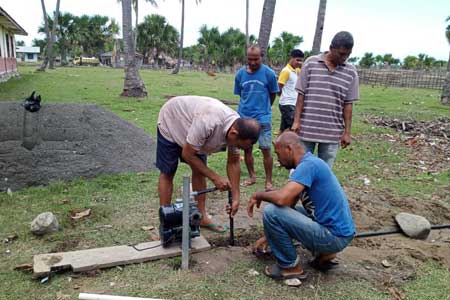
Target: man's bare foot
point(269, 186)
point(249, 181)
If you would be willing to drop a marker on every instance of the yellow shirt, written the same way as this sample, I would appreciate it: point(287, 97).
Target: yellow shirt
point(288, 77)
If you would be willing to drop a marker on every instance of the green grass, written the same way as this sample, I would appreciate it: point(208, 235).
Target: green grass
point(129, 201)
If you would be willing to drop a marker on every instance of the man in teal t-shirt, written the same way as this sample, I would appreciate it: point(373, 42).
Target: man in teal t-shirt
point(257, 86)
point(325, 231)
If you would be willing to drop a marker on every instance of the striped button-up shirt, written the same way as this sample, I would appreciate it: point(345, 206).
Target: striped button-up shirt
point(326, 92)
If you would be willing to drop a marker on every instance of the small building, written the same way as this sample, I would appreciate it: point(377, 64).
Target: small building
point(8, 28)
point(28, 54)
point(116, 59)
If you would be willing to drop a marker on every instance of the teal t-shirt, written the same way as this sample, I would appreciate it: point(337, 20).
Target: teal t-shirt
point(254, 90)
point(331, 205)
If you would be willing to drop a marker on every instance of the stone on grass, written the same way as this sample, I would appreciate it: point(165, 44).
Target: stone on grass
point(44, 223)
point(414, 226)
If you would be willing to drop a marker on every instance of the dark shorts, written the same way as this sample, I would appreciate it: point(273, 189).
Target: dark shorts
point(168, 154)
point(287, 116)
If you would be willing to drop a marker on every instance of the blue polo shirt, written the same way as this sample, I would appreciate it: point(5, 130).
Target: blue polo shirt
point(254, 90)
point(331, 205)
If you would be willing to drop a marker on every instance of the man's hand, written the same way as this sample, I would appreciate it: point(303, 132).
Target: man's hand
point(222, 183)
point(261, 245)
point(233, 209)
point(295, 127)
point(345, 140)
point(251, 204)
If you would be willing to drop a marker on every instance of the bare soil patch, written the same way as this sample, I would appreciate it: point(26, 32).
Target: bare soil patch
point(385, 261)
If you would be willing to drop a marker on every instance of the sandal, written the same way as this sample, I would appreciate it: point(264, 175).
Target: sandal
point(215, 227)
point(331, 264)
point(274, 272)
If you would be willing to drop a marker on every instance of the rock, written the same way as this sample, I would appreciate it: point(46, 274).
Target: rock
point(293, 282)
point(44, 223)
point(414, 226)
point(386, 263)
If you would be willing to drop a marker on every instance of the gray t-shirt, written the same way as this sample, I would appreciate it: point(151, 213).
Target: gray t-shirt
point(202, 122)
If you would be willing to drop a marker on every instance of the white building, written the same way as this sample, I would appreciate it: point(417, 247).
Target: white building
point(28, 54)
point(8, 28)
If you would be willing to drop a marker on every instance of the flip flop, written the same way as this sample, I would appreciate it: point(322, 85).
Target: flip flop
point(214, 227)
point(274, 272)
point(247, 183)
point(315, 264)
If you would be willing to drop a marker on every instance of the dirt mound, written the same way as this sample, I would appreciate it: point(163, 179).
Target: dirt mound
point(64, 141)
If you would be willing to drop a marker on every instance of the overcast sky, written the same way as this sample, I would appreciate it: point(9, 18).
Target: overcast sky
point(400, 27)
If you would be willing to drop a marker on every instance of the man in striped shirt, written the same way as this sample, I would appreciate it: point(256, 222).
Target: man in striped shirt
point(327, 88)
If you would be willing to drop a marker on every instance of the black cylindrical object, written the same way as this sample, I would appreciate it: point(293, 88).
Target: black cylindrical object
point(230, 202)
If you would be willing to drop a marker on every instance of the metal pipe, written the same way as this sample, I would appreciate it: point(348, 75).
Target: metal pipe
point(196, 193)
point(230, 202)
point(185, 242)
point(86, 296)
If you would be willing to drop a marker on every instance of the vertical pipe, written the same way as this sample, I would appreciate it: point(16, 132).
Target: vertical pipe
point(185, 234)
point(230, 202)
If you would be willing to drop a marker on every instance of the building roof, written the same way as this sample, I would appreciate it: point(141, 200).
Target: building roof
point(22, 49)
point(9, 23)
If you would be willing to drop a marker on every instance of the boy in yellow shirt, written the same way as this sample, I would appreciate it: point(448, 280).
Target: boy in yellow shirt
point(288, 94)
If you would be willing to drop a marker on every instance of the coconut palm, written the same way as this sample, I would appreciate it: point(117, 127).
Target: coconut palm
point(133, 85)
point(47, 33)
point(282, 46)
point(319, 27)
point(52, 39)
point(266, 24)
point(247, 38)
point(180, 51)
point(156, 36)
point(445, 96)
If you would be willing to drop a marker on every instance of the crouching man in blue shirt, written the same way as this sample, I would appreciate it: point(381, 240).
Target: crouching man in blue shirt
point(324, 231)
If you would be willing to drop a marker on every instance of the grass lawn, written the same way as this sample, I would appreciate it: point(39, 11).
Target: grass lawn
point(129, 201)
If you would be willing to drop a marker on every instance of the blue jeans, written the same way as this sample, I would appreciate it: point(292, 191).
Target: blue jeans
point(326, 151)
point(282, 224)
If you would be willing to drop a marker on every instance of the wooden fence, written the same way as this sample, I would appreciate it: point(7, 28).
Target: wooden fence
point(403, 78)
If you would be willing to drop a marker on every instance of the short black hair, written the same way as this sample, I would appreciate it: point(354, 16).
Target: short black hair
point(297, 53)
point(248, 129)
point(342, 39)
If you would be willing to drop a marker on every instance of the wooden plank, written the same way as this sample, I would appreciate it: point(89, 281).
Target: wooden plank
point(91, 259)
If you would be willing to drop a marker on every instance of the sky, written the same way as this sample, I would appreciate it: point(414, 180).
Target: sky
point(399, 27)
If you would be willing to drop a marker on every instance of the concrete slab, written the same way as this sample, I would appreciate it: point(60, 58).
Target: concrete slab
point(91, 259)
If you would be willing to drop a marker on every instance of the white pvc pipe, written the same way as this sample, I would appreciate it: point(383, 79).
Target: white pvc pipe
point(85, 296)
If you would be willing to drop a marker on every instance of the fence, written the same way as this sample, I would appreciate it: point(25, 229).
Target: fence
point(403, 78)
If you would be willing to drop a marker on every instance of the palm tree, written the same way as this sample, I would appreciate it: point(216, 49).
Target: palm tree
point(133, 85)
point(266, 24)
point(319, 27)
point(247, 39)
point(136, 13)
point(156, 36)
point(52, 39)
point(47, 33)
point(180, 51)
point(445, 96)
point(282, 46)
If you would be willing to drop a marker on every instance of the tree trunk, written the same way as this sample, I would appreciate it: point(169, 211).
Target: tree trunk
point(266, 24)
point(180, 52)
point(319, 27)
point(52, 40)
point(247, 38)
point(133, 85)
point(445, 97)
point(136, 12)
point(47, 32)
